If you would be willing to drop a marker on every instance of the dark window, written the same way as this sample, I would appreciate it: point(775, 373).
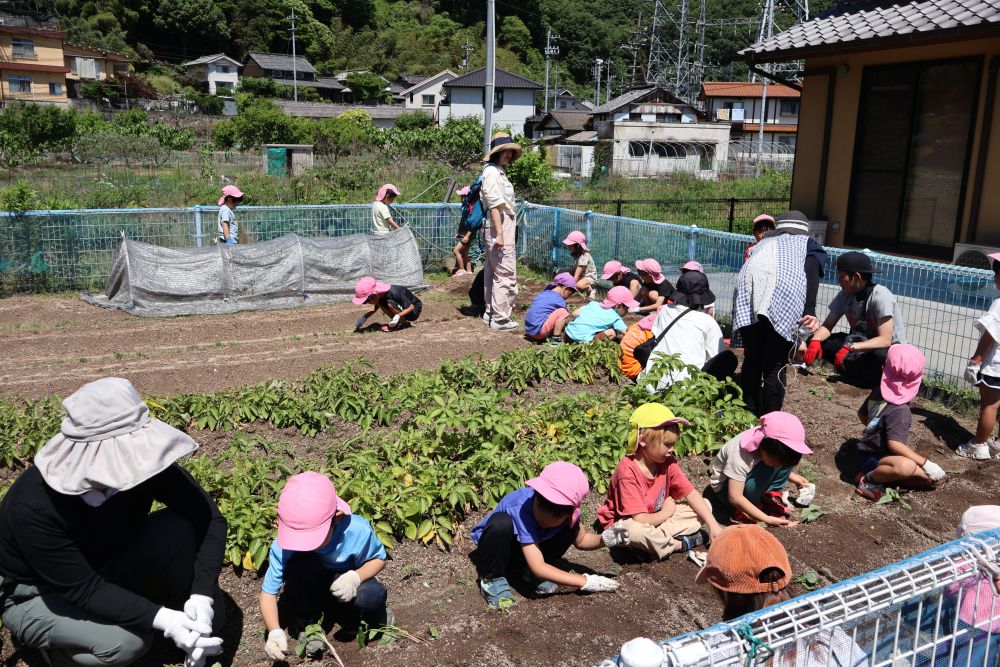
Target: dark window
point(789, 109)
point(497, 98)
point(911, 154)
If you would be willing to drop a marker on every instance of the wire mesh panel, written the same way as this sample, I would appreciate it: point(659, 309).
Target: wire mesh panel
point(940, 608)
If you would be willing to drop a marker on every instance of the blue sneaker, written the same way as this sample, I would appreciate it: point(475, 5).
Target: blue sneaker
point(496, 591)
point(541, 587)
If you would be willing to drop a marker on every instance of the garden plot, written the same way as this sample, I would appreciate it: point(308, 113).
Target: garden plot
point(399, 456)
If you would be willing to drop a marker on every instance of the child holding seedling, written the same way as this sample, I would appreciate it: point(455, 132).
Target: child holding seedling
point(397, 302)
point(983, 372)
point(751, 470)
point(600, 320)
point(651, 495)
point(548, 313)
point(883, 455)
point(326, 560)
point(533, 527)
point(584, 268)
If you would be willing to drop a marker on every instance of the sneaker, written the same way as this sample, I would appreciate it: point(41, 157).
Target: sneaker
point(693, 540)
point(867, 488)
point(979, 451)
point(486, 317)
point(509, 325)
point(542, 587)
point(994, 449)
point(495, 591)
point(555, 341)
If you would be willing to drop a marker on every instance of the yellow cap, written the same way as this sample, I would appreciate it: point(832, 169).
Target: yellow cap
point(650, 415)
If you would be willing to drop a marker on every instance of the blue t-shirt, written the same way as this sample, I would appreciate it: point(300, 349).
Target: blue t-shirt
point(592, 320)
point(517, 504)
point(541, 307)
point(352, 544)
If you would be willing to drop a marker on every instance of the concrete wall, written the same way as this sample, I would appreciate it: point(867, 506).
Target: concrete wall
point(697, 139)
point(752, 107)
point(830, 199)
point(518, 104)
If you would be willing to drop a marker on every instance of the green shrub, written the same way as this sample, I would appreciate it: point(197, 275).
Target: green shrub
point(414, 120)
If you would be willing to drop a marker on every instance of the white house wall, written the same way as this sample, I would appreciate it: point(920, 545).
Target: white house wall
point(414, 100)
point(518, 105)
point(215, 77)
point(705, 136)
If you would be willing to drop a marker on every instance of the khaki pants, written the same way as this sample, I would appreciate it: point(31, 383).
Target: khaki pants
point(659, 540)
point(500, 272)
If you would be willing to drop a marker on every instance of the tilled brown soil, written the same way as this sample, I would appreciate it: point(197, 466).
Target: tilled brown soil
point(429, 588)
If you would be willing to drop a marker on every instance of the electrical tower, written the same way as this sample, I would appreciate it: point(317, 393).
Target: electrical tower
point(767, 25)
point(549, 52)
point(636, 44)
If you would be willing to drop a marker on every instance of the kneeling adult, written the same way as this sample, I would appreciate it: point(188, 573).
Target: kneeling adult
point(87, 573)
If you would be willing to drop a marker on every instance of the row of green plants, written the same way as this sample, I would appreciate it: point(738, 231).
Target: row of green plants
point(433, 446)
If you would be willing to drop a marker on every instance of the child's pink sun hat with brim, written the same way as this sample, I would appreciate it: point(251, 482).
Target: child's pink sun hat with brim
point(366, 287)
point(576, 238)
point(781, 426)
point(903, 371)
point(561, 483)
point(305, 509)
point(652, 267)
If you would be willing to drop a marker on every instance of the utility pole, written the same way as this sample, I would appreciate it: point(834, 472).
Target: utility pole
point(598, 69)
point(549, 51)
point(295, 71)
point(607, 92)
point(491, 66)
point(468, 48)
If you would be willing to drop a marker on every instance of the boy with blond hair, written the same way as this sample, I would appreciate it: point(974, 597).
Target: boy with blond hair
point(650, 493)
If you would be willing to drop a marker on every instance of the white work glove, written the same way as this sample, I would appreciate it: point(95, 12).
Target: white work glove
point(199, 608)
point(187, 634)
point(394, 322)
point(616, 535)
point(633, 311)
point(972, 372)
point(598, 584)
point(360, 322)
point(276, 645)
point(345, 587)
point(933, 470)
point(806, 495)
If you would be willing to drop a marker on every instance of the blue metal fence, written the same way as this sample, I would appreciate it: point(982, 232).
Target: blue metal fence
point(75, 249)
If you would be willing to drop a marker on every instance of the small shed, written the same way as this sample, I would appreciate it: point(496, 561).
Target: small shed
point(287, 159)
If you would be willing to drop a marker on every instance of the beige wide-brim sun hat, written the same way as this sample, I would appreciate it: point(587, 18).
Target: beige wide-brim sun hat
point(108, 441)
point(503, 142)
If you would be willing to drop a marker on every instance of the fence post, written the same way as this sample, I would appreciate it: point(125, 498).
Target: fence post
point(732, 212)
point(555, 238)
point(618, 238)
point(693, 243)
point(588, 222)
point(618, 211)
point(197, 226)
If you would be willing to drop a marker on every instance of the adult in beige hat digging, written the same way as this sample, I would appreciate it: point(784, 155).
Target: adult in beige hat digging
point(497, 195)
point(87, 573)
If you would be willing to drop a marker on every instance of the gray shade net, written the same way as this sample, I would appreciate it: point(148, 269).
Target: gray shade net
point(287, 272)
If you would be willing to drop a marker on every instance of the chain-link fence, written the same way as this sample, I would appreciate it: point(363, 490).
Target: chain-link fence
point(731, 215)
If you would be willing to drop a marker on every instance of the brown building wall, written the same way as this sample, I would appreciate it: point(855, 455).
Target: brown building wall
point(828, 197)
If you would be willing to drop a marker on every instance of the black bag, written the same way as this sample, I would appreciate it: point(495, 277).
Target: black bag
point(643, 352)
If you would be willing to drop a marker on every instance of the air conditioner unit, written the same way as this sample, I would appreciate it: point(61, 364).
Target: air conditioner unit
point(973, 255)
point(738, 115)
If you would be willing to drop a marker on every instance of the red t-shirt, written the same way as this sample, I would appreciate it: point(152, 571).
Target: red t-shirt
point(631, 492)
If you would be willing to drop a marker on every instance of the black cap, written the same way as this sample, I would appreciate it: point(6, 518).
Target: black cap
point(855, 262)
point(692, 290)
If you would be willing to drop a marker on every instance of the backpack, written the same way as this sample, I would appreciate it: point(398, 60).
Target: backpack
point(472, 207)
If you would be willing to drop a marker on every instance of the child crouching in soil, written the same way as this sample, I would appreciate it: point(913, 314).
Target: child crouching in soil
point(635, 335)
point(601, 320)
point(649, 493)
point(883, 455)
point(533, 527)
point(326, 559)
point(397, 302)
point(547, 315)
point(751, 470)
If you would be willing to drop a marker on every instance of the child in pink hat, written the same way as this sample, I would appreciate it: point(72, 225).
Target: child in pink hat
point(637, 334)
point(548, 313)
point(883, 455)
point(762, 224)
point(325, 559)
point(463, 237)
point(655, 286)
point(601, 320)
point(584, 269)
point(397, 302)
point(229, 229)
point(751, 471)
point(621, 276)
point(382, 222)
point(983, 373)
point(532, 527)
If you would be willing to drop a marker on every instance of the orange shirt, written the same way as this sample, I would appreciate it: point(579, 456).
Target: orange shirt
point(634, 336)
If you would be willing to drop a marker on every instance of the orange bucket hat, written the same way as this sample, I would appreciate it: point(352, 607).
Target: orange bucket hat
point(738, 557)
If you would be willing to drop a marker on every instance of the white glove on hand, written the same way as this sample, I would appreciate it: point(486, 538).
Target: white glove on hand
point(276, 645)
point(806, 495)
point(199, 608)
point(633, 311)
point(598, 584)
point(345, 587)
point(360, 322)
point(616, 535)
point(187, 634)
point(972, 372)
point(933, 470)
point(394, 322)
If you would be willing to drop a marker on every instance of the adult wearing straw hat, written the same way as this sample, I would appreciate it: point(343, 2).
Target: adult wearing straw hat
point(87, 573)
point(497, 196)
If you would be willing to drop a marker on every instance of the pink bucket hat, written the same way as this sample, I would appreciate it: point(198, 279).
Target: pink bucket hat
point(562, 280)
point(611, 268)
point(979, 518)
point(762, 217)
point(647, 322)
point(692, 266)
point(652, 267)
point(561, 483)
point(620, 296)
point(388, 187)
point(904, 369)
point(305, 508)
point(366, 287)
point(230, 191)
point(576, 238)
point(462, 191)
point(781, 426)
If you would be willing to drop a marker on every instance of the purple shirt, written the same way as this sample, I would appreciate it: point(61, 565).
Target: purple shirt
point(542, 306)
point(517, 504)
